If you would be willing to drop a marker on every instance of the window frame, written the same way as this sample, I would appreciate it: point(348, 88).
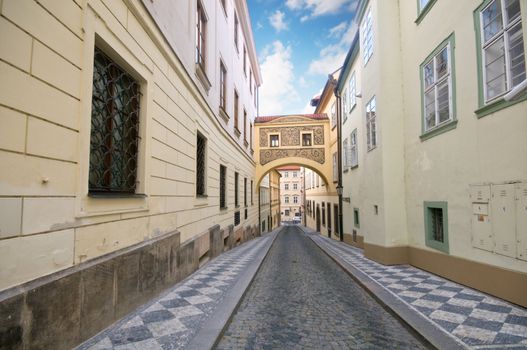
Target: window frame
point(201, 36)
point(223, 189)
point(203, 192)
point(335, 166)
point(429, 241)
point(368, 36)
point(236, 112)
point(236, 190)
point(369, 122)
point(422, 11)
point(354, 149)
point(450, 77)
point(486, 107)
point(236, 30)
point(310, 139)
point(223, 87)
point(271, 143)
point(356, 218)
point(352, 89)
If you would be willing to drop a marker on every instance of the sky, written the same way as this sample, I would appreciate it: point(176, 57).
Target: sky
point(299, 42)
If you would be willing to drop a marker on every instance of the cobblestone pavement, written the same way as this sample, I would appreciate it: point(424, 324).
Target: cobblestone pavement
point(173, 319)
point(301, 299)
point(477, 320)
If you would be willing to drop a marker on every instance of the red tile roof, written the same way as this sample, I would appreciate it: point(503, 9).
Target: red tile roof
point(265, 119)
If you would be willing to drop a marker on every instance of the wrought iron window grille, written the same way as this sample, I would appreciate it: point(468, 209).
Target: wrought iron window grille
point(201, 143)
point(114, 135)
point(223, 176)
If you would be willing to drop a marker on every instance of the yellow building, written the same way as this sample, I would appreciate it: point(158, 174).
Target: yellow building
point(321, 198)
point(126, 152)
point(434, 140)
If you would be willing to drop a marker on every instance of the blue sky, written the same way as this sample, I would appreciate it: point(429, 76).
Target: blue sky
point(299, 42)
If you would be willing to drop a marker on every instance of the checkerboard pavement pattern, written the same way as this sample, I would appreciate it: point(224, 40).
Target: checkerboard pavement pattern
point(478, 320)
point(170, 321)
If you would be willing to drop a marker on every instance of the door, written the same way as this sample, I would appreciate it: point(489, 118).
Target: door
point(329, 220)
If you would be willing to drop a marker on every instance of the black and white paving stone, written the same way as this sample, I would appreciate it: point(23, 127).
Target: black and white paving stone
point(477, 320)
point(172, 320)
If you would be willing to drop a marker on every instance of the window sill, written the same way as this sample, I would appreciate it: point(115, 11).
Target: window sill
point(202, 196)
point(424, 11)
point(224, 208)
point(202, 77)
point(246, 143)
point(498, 105)
point(115, 195)
point(224, 114)
point(354, 167)
point(439, 130)
point(237, 131)
point(372, 148)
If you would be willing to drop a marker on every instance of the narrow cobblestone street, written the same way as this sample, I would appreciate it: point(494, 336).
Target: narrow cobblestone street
point(300, 299)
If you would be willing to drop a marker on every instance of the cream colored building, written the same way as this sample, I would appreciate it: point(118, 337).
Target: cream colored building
point(434, 140)
point(124, 123)
point(321, 198)
point(291, 193)
point(274, 189)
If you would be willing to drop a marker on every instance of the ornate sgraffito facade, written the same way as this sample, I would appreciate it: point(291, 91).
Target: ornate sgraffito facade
point(300, 140)
point(291, 136)
point(316, 154)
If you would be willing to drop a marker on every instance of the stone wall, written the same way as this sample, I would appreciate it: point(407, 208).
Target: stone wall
point(61, 310)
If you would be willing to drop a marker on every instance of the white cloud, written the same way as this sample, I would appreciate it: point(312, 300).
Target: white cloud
point(338, 29)
point(277, 21)
point(279, 91)
point(317, 8)
point(308, 109)
point(331, 57)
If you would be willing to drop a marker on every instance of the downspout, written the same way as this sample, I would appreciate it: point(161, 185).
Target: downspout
point(339, 160)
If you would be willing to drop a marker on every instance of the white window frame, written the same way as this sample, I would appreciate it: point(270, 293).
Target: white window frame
point(286, 187)
point(346, 149)
point(354, 149)
point(295, 186)
point(434, 86)
point(422, 4)
point(335, 167)
point(295, 200)
point(367, 36)
point(352, 88)
point(344, 105)
point(371, 125)
point(286, 199)
point(502, 34)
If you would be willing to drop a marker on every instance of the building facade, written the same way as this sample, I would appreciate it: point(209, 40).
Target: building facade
point(291, 193)
point(424, 99)
point(321, 197)
point(121, 138)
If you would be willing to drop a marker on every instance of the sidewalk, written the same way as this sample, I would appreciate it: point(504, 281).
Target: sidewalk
point(446, 313)
point(192, 314)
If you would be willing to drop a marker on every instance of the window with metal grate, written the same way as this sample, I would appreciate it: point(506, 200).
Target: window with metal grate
point(114, 135)
point(223, 177)
point(201, 149)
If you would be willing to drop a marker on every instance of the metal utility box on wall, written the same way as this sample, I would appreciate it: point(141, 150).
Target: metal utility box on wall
point(499, 219)
point(481, 227)
point(521, 220)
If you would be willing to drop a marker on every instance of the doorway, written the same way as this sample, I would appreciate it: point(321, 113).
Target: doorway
point(318, 217)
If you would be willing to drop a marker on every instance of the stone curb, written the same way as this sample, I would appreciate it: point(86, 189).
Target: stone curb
point(420, 324)
point(212, 330)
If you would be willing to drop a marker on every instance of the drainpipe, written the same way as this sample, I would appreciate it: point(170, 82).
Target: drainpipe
point(339, 158)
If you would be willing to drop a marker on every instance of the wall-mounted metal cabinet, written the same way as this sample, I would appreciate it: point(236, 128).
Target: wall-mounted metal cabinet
point(499, 219)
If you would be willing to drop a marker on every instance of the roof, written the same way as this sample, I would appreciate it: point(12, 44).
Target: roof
point(265, 119)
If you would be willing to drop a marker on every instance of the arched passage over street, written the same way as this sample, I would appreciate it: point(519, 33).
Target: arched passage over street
point(301, 140)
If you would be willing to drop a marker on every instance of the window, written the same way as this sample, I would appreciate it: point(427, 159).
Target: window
point(352, 88)
point(344, 107)
point(295, 199)
point(329, 217)
point(502, 48)
point(236, 24)
point(335, 167)
point(224, 5)
point(286, 174)
point(323, 214)
point(286, 186)
point(295, 174)
point(236, 107)
point(436, 225)
point(347, 155)
point(223, 187)
point(333, 115)
point(286, 199)
point(244, 61)
point(295, 186)
point(274, 140)
point(336, 219)
point(245, 192)
point(287, 212)
point(306, 140)
point(251, 134)
point(371, 124)
point(201, 27)
point(245, 126)
point(436, 88)
point(251, 81)
point(422, 4)
point(356, 220)
point(252, 192)
point(354, 149)
point(223, 87)
point(201, 144)
point(114, 139)
point(367, 36)
point(236, 198)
